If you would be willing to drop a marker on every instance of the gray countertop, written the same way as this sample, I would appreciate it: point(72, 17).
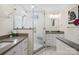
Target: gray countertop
point(69, 43)
point(16, 40)
point(54, 32)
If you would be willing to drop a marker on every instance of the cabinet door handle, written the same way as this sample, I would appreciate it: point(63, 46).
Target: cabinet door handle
point(14, 52)
point(25, 49)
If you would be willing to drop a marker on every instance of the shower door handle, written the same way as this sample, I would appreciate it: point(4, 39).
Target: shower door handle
point(34, 30)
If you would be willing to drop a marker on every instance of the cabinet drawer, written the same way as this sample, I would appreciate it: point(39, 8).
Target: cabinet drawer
point(15, 50)
point(50, 40)
point(60, 35)
point(19, 49)
point(11, 52)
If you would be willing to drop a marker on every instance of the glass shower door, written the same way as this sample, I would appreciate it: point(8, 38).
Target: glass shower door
point(39, 33)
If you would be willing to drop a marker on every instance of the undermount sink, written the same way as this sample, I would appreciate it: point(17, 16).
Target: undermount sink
point(6, 41)
point(4, 44)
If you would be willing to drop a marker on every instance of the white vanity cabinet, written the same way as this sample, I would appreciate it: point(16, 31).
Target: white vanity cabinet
point(19, 49)
point(51, 38)
point(14, 51)
point(11, 52)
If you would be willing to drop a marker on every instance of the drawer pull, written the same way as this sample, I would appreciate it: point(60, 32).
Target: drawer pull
point(25, 49)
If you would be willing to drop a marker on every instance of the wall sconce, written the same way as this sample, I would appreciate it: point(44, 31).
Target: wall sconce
point(53, 17)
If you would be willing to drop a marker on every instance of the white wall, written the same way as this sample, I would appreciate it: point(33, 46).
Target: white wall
point(6, 22)
point(70, 33)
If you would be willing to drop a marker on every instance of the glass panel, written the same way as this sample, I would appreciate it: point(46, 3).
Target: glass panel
point(23, 22)
point(35, 20)
point(27, 21)
point(17, 21)
point(39, 33)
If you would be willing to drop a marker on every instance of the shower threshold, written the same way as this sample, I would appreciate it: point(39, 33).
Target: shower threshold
point(44, 48)
point(38, 50)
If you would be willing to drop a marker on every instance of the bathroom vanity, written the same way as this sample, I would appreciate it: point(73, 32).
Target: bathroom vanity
point(51, 37)
point(16, 45)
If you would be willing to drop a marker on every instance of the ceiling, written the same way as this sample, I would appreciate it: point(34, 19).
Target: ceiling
point(53, 7)
point(49, 8)
point(46, 7)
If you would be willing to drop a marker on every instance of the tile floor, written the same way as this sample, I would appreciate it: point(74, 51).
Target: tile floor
point(60, 49)
point(52, 51)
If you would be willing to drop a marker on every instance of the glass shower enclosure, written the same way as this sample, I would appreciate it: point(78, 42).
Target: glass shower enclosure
point(34, 19)
point(39, 30)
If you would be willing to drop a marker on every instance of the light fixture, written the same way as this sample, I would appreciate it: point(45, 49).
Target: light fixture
point(51, 15)
point(54, 16)
point(32, 6)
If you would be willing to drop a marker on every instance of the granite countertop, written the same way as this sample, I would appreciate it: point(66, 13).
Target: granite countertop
point(54, 32)
point(15, 40)
point(69, 43)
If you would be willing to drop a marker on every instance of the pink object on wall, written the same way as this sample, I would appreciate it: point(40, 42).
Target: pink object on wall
point(76, 22)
